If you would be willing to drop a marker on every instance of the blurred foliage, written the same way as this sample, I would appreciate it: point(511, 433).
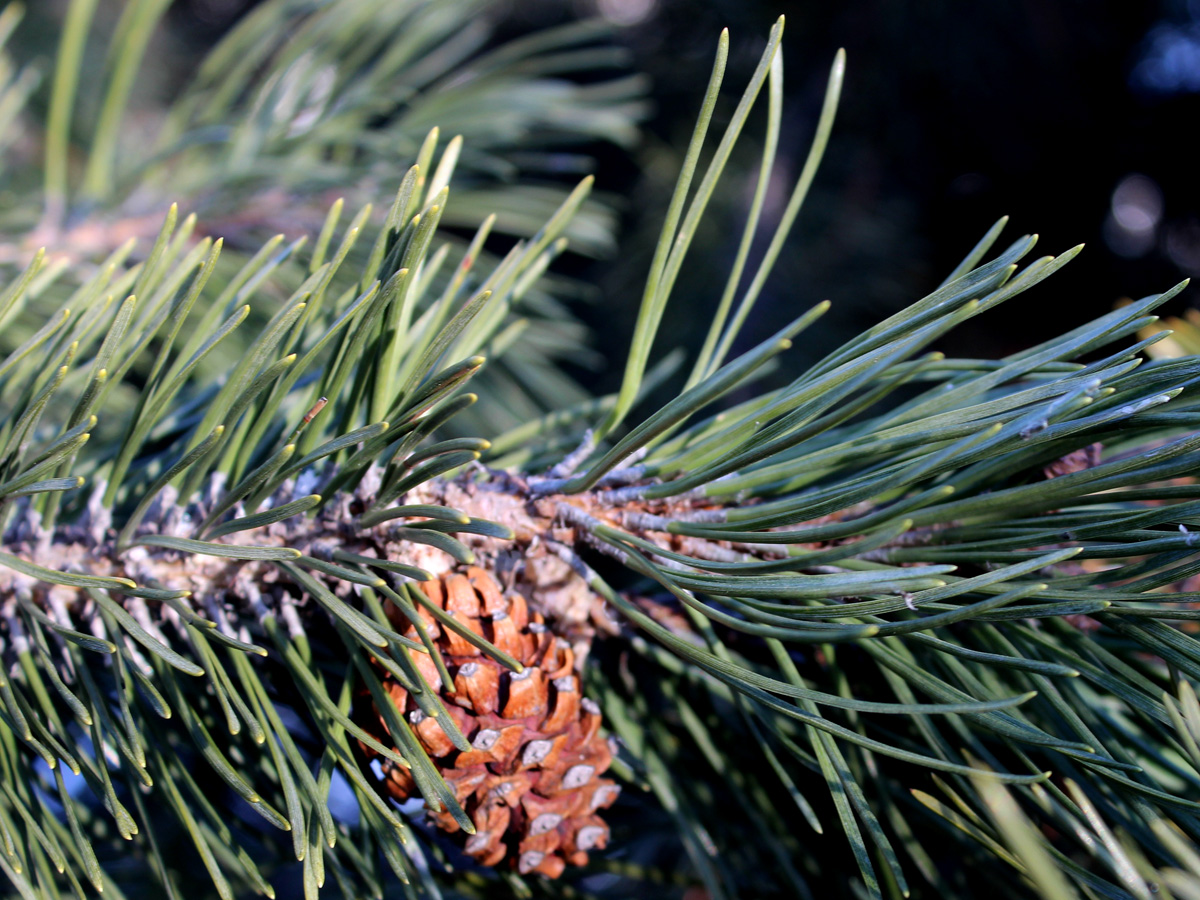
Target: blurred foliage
point(302, 103)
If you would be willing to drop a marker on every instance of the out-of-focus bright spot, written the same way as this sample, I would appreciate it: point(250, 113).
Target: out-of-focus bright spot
point(1137, 203)
point(1170, 58)
point(626, 12)
point(1183, 341)
point(1171, 62)
point(1131, 227)
point(343, 805)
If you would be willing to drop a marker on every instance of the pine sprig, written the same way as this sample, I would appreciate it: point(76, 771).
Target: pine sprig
point(874, 587)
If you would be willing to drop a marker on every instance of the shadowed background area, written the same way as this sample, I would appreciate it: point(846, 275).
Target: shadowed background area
point(1067, 116)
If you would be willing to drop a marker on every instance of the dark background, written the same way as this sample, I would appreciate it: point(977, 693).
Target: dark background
point(952, 115)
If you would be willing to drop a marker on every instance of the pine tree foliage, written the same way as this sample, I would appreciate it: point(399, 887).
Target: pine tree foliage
point(305, 105)
point(914, 605)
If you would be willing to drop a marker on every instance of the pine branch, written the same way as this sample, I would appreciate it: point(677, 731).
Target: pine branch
point(924, 596)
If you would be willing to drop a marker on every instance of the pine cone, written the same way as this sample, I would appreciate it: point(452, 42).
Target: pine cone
point(530, 783)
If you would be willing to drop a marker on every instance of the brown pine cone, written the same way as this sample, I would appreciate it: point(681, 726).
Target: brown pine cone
point(530, 783)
